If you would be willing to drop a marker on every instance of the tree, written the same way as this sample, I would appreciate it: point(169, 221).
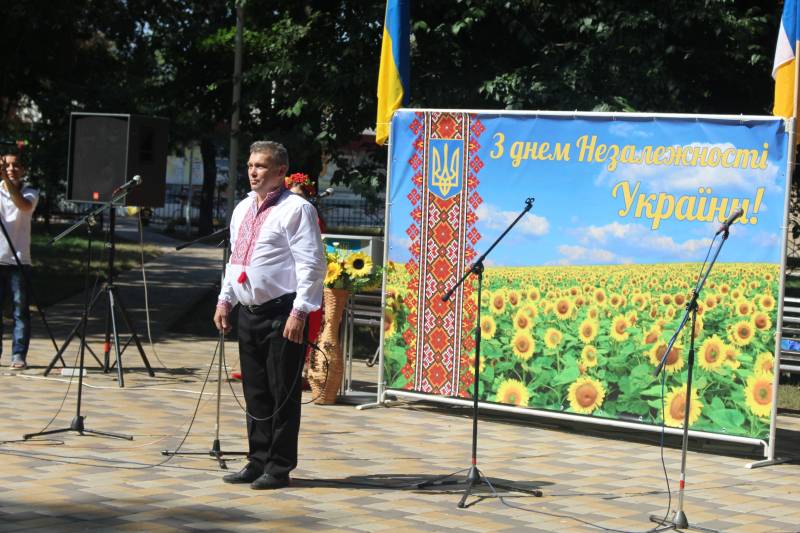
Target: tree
point(311, 66)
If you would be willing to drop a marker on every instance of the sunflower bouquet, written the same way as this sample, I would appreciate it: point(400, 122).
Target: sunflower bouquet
point(354, 272)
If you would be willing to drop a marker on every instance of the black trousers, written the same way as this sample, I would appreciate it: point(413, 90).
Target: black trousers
point(271, 374)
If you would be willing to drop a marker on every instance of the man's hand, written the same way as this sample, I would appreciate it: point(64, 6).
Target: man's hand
point(221, 319)
point(294, 329)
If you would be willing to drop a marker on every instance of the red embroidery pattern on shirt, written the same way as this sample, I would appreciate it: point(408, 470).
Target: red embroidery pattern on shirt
point(251, 227)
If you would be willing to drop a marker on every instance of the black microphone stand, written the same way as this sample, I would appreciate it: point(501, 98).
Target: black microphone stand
point(113, 299)
point(77, 424)
point(216, 450)
point(475, 476)
point(679, 520)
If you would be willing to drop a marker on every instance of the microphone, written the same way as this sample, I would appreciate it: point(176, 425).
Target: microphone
point(327, 192)
point(728, 221)
point(131, 183)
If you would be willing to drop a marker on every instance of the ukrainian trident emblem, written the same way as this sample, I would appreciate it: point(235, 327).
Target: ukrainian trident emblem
point(444, 169)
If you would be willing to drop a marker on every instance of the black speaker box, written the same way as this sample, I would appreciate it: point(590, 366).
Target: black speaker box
point(107, 150)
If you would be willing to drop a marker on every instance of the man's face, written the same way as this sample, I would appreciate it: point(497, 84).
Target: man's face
point(263, 173)
point(14, 168)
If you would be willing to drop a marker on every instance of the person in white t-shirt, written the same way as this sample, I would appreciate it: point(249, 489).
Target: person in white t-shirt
point(17, 202)
point(275, 275)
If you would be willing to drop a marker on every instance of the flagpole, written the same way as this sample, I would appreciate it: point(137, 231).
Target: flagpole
point(776, 368)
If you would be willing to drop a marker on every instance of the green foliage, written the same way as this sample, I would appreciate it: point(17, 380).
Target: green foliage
point(310, 67)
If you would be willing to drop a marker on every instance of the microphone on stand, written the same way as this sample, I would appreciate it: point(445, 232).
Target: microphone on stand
point(131, 183)
point(725, 227)
point(327, 192)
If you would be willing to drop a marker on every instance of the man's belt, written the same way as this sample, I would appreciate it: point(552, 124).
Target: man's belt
point(284, 301)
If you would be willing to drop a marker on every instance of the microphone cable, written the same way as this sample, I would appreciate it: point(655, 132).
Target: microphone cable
point(295, 381)
point(122, 464)
point(146, 299)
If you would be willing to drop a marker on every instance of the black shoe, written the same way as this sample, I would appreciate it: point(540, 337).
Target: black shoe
point(268, 482)
point(248, 474)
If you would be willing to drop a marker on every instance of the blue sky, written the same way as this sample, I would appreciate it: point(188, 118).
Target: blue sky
point(575, 220)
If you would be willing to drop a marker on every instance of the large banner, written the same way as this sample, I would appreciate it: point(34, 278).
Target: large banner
point(581, 297)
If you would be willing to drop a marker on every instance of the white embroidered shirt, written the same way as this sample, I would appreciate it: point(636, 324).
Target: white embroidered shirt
point(275, 249)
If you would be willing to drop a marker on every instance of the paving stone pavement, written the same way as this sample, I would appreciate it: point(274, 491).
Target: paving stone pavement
point(358, 470)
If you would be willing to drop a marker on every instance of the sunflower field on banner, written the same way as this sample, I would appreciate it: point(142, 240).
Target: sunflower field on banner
point(582, 297)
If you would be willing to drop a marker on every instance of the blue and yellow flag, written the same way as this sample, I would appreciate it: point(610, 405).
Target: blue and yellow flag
point(783, 69)
point(394, 71)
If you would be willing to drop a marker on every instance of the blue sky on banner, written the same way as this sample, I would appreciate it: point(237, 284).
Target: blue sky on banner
point(577, 220)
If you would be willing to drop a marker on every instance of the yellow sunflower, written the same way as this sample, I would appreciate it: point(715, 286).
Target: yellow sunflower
point(486, 297)
point(533, 294)
point(698, 327)
point(488, 327)
point(742, 332)
point(530, 310)
point(743, 308)
point(358, 265)
point(710, 301)
point(674, 359)
point(585, 395)
point(333, 273)
point(762, 321)
point(497, 302)
point(675, 407)
point(522, 320)
point(593, 312)
point(767, 302)
point(765, 364)
point(513, 392)
point(732, 356)
point(513, 297)
point(758, 394)
point(471, 360)
point(600, 297)
point(616, 300)
point(589, 356)
point(564, 308)
point(389, 323)
point(619, 328)
point(588, 330)
point(651, 335)
point(552, 338)
point(523, 344)
point(712, 353)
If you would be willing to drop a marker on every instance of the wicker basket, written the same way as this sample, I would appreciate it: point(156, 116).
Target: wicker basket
point(325, 372)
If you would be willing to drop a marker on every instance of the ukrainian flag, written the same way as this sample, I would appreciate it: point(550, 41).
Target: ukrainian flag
point(394, 71)
point(783, 70)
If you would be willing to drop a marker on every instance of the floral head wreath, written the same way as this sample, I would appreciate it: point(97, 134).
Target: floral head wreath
point(303, 180)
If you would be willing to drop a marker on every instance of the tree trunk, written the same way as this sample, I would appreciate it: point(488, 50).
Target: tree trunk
point(209, 152)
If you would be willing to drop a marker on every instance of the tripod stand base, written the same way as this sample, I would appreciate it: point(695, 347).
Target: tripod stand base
point(215, 452)
point(475, 477)
point(679, 521)
point(78, 426)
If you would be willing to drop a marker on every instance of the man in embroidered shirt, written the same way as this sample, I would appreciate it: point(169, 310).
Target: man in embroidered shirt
point(275, 273)
point(17, 202)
